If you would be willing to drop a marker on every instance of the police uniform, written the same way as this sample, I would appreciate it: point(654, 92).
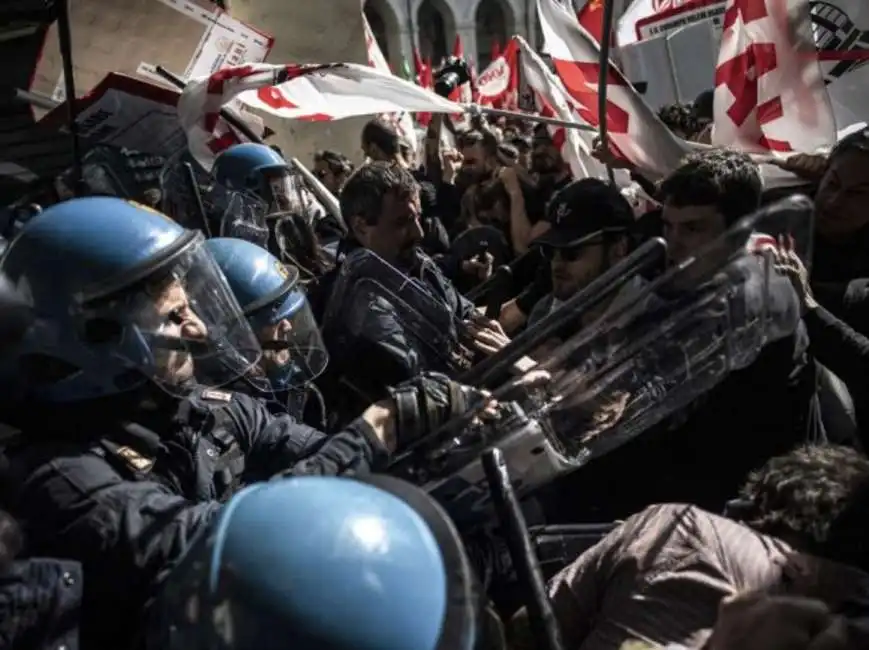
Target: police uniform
point(373, 344)
point(40, 604)
point(128, 500)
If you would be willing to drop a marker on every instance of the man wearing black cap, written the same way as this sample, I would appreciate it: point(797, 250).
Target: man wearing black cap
point(590, 224)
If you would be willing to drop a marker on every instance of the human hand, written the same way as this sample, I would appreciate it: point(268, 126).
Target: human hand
point(487, 335)
point(479, 266)
point(808, 166)
point(759, 621)
point(788, 263)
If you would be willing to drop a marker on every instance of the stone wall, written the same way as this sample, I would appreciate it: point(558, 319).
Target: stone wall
point(310, 31)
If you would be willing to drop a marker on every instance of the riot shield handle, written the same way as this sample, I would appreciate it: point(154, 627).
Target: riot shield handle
point(644, 258)
point(544, 625)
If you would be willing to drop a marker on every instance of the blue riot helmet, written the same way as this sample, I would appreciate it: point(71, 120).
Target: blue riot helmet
point(311, 563)
point(277, 308)
point(121, 294)
point(259, 169)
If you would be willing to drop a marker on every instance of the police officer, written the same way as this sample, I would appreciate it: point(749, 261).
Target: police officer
point(277, 309)
point(127, 447)
point(49, 590)
point(257, 169)
point(377, 339)
point(381, 567)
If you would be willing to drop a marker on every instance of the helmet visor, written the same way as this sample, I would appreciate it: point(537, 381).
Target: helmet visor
point(183, 324)
point(284, 192)
point(293, 349)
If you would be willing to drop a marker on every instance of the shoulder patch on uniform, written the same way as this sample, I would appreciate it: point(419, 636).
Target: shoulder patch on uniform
point(217, 395)
point(136, 460)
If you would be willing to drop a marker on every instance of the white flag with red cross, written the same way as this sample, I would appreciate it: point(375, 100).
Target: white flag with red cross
point(769, 91)
point(633, 127)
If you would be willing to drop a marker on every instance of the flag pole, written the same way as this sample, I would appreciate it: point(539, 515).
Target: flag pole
point(64, 33)
point(497, 112)
point(606, 33)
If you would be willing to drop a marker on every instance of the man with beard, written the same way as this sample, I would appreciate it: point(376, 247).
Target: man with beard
point(589, 224)
point(370, 340)
point(700, 453)
point(381, 142)
point(479, 149)
point(551, 174)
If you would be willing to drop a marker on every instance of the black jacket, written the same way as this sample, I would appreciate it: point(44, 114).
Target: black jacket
point(127, 498)
point(40, 605)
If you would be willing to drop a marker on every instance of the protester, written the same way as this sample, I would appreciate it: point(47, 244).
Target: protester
point(672, 439)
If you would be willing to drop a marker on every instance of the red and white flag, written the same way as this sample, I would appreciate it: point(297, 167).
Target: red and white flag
point(553, 101)
point(402, 122)
point(769, 90)
point(633, 128)
point(498, 84)
point(320, 92)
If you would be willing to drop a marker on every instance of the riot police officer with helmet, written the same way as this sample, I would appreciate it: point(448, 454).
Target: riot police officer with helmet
point(129, 445)
point(381, 567)
point(272, 299)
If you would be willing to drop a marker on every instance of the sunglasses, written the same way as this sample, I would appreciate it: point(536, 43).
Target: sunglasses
point(570, 254)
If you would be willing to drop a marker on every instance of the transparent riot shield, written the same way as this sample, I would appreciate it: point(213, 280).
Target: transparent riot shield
point(372, 300)
point(675, 341)
point(195, 200)
point(244, 215)
point(650, 354)
point(295, 197)
point(447, 463)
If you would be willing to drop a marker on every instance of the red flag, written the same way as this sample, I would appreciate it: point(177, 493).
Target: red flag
point(496, 51)
point(418, 67)
point(458, 48)
point(591, 18)
point(768, 95)
point(426, 80)
point(632, 126)
point(496, 86)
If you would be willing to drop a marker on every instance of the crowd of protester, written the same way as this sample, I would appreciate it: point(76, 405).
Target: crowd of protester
point(737, 522)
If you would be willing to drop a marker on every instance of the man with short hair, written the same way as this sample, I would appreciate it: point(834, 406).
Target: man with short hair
point(333, 169)
point(371, 338)
point(479, 150)
point(381, 142)
point(590, 225)
point(661, 576)
point(701, 453)
point(707, 194)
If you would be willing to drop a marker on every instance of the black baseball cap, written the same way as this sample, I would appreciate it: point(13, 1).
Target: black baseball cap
point(583, 210)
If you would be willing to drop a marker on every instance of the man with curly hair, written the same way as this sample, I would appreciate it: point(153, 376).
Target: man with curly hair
point(680, 119)
point(663, 574)
point(797, 497)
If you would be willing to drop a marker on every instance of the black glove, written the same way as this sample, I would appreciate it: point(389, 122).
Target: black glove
point(453, 73)
point(427, 402)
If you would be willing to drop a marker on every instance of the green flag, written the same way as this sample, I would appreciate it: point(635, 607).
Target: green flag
point(406, 70)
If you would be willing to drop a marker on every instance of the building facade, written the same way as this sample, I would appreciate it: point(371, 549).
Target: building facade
point(431, 27)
